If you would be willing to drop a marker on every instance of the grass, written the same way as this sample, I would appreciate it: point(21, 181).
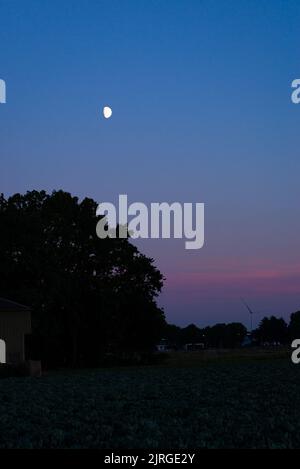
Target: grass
point(251, 402)
point(179, 359)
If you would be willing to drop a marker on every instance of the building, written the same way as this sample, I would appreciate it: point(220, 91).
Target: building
point(15, 323)
point(194, 347)
point(163, 346)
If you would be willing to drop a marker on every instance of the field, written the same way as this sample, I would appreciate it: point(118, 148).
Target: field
point(230, 403)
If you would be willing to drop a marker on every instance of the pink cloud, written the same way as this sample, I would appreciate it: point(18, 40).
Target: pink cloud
point(212, 281)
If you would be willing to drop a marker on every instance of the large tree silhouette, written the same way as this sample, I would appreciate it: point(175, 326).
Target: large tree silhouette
point(88, 295)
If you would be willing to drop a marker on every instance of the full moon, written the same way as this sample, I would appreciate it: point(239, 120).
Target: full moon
point(107, 112)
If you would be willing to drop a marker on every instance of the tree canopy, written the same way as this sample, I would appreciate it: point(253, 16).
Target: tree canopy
point(270, 330)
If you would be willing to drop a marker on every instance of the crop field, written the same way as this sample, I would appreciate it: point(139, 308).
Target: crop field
point(242, 404)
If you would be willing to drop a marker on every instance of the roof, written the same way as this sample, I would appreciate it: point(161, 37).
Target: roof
point(7, 306)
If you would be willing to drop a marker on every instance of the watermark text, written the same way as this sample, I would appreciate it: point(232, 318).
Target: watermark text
point(163, 220)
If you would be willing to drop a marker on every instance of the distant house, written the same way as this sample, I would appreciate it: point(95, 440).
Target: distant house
point(15, 323)
point(194, 347)
point(162, 346)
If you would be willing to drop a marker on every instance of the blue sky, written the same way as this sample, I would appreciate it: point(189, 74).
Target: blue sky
point(200, 92)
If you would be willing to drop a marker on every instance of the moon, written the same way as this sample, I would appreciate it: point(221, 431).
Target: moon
point(107, 112)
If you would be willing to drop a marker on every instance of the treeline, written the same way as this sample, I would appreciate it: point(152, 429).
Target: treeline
point(270, 331)
point(277, 330)
point(217, 336)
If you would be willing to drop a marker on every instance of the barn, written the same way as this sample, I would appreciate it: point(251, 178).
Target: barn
point(15, 323)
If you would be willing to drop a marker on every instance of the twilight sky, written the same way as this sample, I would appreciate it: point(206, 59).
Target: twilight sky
point(200, 92)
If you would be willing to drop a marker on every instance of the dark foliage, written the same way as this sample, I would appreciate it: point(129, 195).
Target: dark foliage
point(294, 326)
point(271, 330)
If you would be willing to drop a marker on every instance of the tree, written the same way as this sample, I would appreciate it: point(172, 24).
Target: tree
point(235, 333)
point(215, 335)
point(191, 335)
point(271, 330)
point(294, 326)
point(224, 335)
point(87, 294)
